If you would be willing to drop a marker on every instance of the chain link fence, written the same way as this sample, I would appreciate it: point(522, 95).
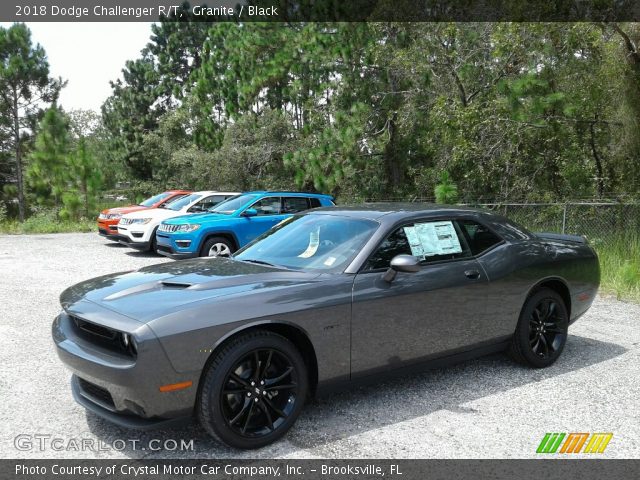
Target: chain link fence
point(602, 222)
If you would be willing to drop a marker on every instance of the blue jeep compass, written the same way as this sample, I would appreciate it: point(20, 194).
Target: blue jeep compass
point(232, 224)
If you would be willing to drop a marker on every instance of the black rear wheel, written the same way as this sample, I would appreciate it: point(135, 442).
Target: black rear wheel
point(542, 330)
point(253, 391)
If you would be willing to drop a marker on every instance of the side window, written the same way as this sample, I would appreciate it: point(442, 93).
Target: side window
point(206, 203)
point(394, 244)
point(430, 241)
point(294, 204)
point(267, 206)
point(171, 199)
point(314, 202)
point(479, 237)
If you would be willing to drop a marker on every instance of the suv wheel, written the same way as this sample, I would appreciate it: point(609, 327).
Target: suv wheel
point(217, 247)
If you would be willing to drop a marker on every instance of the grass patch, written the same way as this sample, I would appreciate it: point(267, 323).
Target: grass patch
point(620, 265)
point(46, 223)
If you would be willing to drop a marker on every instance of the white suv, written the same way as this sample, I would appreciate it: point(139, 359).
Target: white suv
point(138, 229)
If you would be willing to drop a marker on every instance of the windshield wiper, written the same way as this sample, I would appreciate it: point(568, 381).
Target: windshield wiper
point(259, 262)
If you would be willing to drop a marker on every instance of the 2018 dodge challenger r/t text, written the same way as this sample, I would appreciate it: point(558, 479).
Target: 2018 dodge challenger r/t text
point(325, 298)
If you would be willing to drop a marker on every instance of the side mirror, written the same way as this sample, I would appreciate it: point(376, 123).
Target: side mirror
point(196, 208)
point(250, 212)
point(402, 263)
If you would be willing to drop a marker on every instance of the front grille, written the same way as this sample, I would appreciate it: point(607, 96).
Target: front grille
point(101, 336)
point(96, 393)
point(168, 228)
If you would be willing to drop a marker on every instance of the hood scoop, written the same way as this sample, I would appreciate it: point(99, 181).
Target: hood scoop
point(175, 285)
point(147, 287)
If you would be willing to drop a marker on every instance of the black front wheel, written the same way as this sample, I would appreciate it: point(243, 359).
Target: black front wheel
point(253, 390)
point(542, 330)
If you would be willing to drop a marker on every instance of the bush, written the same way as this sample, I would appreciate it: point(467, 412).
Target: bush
point(46, 221)
point(620, 265)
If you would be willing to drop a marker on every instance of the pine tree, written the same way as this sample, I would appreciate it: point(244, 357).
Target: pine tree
point(48, 173)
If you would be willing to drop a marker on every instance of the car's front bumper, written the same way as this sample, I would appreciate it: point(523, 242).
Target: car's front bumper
point(134, 238)
point(133, 244)
point(108, 230)
point(176, 246)
point(123, 389)
point(168, 251)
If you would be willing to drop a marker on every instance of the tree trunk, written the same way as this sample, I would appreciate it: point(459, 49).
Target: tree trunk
point(18, 151)
point(596, 157)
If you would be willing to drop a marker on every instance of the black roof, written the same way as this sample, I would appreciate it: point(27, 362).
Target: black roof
point(394, 210)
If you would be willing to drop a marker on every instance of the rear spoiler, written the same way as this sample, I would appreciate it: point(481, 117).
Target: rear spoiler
point(560, 236)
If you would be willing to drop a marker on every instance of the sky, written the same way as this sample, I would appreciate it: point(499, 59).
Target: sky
point(88, 55)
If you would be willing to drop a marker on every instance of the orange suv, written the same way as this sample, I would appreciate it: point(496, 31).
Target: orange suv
point(109, 218)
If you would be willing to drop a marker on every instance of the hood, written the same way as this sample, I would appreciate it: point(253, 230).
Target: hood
point(198, 218)
point(154, 213)
point(123, 210)
point(158, 290)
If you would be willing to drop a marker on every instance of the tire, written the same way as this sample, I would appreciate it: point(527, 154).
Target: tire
point(153, 247)
point(243, 415)
point(221, 244)
point(542, 330)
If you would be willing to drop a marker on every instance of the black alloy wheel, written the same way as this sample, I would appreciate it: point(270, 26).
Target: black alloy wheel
point(542, 329)
point(259, 393)
point(547, 328)
point(253, 390)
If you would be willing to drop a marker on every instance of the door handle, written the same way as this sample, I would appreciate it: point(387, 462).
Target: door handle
point(472, 274)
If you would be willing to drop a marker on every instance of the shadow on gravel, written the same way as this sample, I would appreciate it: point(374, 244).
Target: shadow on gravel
point(365, 408)
point(115, 245)
point(139, 254)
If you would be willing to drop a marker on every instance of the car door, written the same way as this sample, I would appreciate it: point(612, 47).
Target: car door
point(440, 308)
point(269, 213)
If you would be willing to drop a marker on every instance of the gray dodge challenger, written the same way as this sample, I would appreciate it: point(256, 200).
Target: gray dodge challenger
point(324, 299)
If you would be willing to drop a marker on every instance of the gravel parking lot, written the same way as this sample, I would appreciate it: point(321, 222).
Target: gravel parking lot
point(478, 409)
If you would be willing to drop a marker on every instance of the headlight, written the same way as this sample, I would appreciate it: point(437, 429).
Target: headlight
point(103, 216)
point(115, 216)
point(129, 342)
point(188, 228)
point(141, 220)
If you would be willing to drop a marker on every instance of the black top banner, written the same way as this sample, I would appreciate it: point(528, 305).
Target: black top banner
point(321, 10)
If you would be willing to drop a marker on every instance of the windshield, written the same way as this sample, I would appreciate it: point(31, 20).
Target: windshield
point(183, 202)
point(310, 242)
point(149, 202)
point(232, 204)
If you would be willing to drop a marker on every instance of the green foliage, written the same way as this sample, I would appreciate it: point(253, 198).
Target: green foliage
point(47, 174)
point(85, 180)
point(620, 265)
point(46, 221)
point(446, 191)
point(378, 110)
point(25, 87)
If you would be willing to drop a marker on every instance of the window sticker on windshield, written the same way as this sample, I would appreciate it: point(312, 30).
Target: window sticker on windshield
point(330, 261)
point(314, 241)
point(434, 238)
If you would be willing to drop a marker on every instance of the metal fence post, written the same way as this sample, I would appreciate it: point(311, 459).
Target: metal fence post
point(564, 218)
